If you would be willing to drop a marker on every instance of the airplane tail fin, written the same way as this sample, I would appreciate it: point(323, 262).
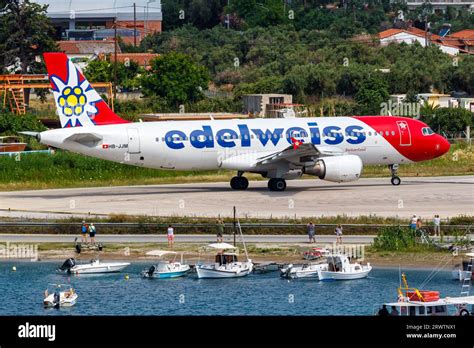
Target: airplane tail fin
point(77, 103)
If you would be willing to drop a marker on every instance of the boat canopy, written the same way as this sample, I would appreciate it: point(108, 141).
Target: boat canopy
point(460, 300)
point(160, 253)
point(221, 246)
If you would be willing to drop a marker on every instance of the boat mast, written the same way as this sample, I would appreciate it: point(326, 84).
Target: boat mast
point(243, 241)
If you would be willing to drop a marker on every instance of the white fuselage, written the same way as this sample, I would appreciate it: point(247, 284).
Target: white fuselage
point(206, 145)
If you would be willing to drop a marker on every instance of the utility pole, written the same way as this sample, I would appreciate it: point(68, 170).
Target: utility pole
point(235, 224)
point(427, 41)
point(115, 57)
point(227, 17)
point(134, 24)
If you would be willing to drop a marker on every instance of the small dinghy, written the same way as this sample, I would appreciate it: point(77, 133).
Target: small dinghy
point(93, 267)
point(339, 268)
point(308, 270)
point(58, 298)
point(266, 267)
point(165, 269)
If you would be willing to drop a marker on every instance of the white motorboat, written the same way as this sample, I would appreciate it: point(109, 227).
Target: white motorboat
point(464, 270)
point(93, 267)
point(59, 299)
point(226, 264)
point(308, 270)
point(340, 268)
point(165, 268)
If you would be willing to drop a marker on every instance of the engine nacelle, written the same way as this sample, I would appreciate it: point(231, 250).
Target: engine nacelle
point(337, 168)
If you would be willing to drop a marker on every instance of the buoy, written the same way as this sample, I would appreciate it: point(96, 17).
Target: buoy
point(14, 269)
point(127, 277)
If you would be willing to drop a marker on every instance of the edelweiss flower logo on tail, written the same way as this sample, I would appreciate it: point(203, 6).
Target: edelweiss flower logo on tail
point(75, 100)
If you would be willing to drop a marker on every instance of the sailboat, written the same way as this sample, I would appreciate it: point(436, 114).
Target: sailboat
point(226, 264)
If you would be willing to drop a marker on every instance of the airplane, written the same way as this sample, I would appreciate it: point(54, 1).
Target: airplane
point(331, 148)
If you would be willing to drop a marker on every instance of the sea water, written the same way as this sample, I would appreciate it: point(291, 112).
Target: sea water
point(21, 292)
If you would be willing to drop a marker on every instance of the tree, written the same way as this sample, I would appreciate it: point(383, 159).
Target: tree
point(372, 92)
point(127, 75)
point(449, 119)
point(25, 34)
point(176, 78)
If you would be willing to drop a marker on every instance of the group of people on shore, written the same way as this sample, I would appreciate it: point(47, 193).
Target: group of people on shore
point(88, 229)
point(416, 225)
point(311, 231)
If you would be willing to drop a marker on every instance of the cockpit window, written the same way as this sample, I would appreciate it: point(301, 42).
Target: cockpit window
point(427, 131)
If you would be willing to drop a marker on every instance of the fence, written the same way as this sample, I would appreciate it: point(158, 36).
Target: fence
point(206, 228)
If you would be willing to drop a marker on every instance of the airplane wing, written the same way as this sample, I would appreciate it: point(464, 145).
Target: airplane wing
point(303, 151)
point(293, 155)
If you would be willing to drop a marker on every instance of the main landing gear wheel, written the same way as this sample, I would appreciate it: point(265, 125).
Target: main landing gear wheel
point(276, 184)
point(396, 180)
point(239, 183)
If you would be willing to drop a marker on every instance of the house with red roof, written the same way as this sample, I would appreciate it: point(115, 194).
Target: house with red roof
point(463, 39)
point(411, 35)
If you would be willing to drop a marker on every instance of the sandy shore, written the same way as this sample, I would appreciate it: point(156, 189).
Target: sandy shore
point(275, 253)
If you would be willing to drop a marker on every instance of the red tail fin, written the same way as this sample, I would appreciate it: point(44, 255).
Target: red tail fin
point(77, 103)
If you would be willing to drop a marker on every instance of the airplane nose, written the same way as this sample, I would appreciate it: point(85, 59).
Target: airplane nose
point(442, 145)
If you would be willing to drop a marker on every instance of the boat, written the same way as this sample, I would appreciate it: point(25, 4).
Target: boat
point(165, 268)
point(464, 270)
point(58, 299)
point(415, 302)
point(226, 264)
point(340, 268)
point(315, 253)
point(11, 144)
point(267, 266)
point(93, 267)
point(308, 270)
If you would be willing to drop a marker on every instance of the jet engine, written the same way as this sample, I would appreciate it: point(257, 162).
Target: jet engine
point(337, 168)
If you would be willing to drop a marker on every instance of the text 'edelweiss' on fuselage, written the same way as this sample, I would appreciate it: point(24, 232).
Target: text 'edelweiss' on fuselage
point(244, 137)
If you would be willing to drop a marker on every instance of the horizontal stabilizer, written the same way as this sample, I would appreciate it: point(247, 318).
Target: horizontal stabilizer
point(30, 134)
point(87, 139)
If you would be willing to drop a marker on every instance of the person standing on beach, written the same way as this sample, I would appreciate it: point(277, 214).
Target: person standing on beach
point(170, 234)
point(437, 225)
point(84, 230)
point(311, 232)
point(338, 232)
point(92, 232)
point(413, 223)
point(220, 231)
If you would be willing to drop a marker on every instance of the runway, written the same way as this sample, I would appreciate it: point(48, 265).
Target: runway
point(446, 196)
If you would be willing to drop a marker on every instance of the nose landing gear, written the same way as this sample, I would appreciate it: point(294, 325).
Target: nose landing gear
point(395, 178)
